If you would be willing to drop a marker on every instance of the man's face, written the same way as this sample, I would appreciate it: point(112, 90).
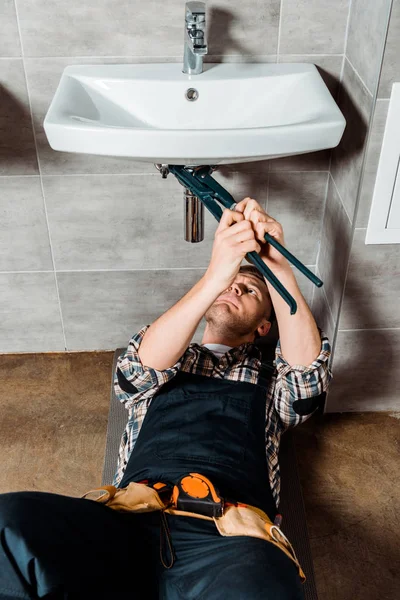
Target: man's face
point(240, 309)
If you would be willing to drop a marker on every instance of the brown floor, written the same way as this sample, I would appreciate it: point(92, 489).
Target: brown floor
point(53, 421)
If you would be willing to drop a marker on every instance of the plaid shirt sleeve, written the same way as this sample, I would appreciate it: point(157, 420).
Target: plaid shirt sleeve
point(133, 382)
point(296, 383)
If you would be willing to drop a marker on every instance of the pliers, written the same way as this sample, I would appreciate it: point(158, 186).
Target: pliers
point(199, 181)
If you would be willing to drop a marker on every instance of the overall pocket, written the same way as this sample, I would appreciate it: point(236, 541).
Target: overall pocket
point(206, 427)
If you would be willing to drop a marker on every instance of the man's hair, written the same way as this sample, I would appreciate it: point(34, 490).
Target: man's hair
point(254, 271)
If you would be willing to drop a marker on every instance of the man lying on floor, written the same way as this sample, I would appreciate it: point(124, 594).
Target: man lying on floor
point(215, 409)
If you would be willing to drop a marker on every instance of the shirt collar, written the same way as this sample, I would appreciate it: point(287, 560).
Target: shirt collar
point(239, 352)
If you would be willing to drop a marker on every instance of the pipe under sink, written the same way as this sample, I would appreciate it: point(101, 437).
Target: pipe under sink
point(193, 216)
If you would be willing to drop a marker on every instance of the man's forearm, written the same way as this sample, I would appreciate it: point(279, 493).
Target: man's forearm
point(169, 336)
point(299, 336)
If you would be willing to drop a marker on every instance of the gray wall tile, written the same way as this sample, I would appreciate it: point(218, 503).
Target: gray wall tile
point(121, 222)
point(30, 315)
point(371, 299)
point(366, 38)
point(335, 247)
point(297, 201)
point(102, 310)
point(313, 26)
point(116, 28)
point(355, 102)
point(9, 39)
point(124, 302)
point(93, 219)
point(373, 152)
point(17, 146)
point(312, 161)
point(391, 64)
point(249, 180)
point(249, 27)
point(120, 29)
point(322, 313)
point(366, 370)
point(24, 239)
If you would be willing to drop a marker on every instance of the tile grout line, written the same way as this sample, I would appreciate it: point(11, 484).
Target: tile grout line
point(151, 58)
point(321, 228)
point(326, 204)
point(372, 329)
point(278, 47)
point(148, 173)
point(267, 198)
point(285, 171)
point(359, 77)
point(336, 54)
point(339, 309)
point(326, 298)
point(15, 176)
point(341, 201)
point(329, 308)
point(346, 37)
point(40, 176)
point(118, 270)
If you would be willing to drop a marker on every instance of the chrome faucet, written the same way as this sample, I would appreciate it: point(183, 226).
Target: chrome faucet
point(195, 44)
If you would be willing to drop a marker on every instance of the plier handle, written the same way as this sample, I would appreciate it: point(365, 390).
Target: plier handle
point(199, 181)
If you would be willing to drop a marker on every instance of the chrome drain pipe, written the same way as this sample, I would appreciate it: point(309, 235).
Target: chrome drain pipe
point(193, 217)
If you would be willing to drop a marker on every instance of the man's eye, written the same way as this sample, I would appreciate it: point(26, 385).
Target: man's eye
point(251, 290)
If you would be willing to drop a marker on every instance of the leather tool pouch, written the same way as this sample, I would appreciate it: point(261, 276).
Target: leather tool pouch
point(236, 520)
point(136, 497)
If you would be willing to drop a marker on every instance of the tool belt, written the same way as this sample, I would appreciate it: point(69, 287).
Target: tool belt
point(195, 496)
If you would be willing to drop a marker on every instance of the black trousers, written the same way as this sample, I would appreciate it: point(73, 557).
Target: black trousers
point(59, 547)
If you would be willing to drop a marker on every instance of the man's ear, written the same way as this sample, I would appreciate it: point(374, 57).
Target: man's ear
point(264, 328)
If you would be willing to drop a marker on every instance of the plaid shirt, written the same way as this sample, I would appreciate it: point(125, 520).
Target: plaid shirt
point(287, 385)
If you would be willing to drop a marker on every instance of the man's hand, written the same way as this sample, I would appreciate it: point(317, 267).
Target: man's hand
point(233, 239)
point(262, 223)
point(299, 335)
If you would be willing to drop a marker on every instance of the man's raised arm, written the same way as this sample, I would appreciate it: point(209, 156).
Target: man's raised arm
point(300, 340)
point(166, 340)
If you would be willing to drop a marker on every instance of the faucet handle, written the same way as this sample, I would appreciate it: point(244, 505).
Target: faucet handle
point(195, 12)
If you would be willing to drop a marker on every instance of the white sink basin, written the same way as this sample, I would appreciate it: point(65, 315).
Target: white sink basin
point(244, 112)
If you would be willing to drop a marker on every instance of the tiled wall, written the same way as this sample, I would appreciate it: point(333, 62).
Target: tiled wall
point(92, 247)
point(367, 352)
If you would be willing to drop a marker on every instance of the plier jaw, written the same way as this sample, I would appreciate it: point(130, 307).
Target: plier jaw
point(200, 182)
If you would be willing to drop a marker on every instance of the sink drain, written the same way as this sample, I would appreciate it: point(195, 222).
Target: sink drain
point(191, 94)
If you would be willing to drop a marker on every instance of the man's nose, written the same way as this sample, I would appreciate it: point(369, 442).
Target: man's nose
point(236, 288)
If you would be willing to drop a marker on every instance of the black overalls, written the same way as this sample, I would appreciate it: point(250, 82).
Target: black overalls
point(216, 427)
